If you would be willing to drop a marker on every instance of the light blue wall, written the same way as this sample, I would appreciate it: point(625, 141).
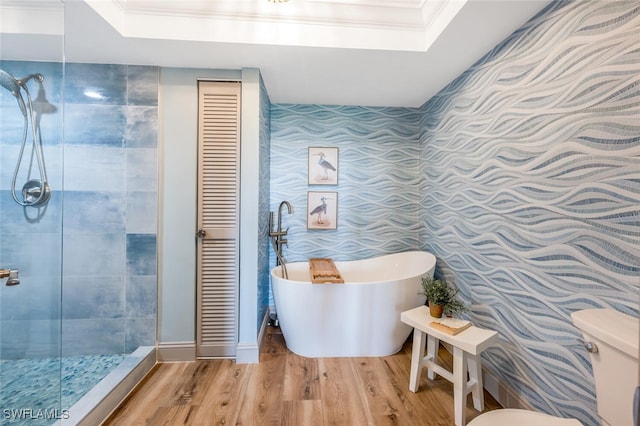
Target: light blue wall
point(104, 178)
point(530, 166)
point(179, 143)
point(179, 159)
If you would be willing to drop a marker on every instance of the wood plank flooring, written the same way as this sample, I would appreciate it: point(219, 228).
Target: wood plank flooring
point(287, 389)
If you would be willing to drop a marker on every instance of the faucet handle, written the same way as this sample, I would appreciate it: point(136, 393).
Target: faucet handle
point(12, 274)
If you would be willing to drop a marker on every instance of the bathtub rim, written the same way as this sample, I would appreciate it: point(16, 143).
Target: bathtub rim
point(276, 269)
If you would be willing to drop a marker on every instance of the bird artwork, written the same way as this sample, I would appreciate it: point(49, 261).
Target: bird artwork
point(319, 211)
point(326, 166)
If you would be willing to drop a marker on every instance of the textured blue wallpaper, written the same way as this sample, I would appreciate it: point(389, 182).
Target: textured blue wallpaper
point(377, 185)
point(263, 204)
point(530, 166)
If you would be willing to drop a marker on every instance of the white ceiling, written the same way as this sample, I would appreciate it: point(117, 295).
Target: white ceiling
point(340, 52)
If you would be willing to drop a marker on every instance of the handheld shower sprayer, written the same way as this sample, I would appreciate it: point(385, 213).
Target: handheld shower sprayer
point(35, 192)
point(14, 85)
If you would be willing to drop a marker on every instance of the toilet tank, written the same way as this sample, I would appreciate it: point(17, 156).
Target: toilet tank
point(615, 364)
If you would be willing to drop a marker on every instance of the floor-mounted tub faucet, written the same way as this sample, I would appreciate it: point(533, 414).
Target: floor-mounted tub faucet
point(277, 236)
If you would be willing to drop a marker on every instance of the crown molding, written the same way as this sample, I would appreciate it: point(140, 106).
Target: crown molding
point(409, 25)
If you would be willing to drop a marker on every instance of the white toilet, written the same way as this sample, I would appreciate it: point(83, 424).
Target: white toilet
point(612, 339)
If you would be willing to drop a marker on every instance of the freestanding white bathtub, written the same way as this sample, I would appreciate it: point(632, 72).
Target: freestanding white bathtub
point(359, 318)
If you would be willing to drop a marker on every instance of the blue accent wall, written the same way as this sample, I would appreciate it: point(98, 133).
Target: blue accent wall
point(377, 178)
point(263, 203)
point(530, 165)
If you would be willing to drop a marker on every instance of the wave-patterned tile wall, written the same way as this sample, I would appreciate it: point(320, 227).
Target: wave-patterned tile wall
point(377, 182)
point(263, 204)
point(530, 166)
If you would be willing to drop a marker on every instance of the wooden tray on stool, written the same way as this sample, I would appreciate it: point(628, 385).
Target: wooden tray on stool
point(323, 270)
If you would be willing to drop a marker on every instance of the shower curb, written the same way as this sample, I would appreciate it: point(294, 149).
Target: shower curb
point(94, 407)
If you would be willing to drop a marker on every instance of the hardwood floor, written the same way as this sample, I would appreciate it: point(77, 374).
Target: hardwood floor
point(287, 389)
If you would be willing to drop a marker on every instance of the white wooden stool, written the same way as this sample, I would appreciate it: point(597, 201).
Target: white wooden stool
point(467, 347)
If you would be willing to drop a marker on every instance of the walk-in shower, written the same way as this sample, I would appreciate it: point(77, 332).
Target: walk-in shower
point(78, 224)
point(35, 190)
point(77, 238)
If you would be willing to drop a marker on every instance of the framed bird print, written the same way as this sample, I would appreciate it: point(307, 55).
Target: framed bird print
point(322, 210)
point(323, 165)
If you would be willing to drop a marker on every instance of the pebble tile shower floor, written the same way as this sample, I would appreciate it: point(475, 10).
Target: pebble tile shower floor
point(31, 387)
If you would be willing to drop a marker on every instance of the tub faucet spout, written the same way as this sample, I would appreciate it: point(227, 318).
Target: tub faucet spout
point(290, 211)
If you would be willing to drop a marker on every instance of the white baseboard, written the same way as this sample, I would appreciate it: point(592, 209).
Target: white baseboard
point(186, 351)
point(247, 354)
point(177, 352)
point(250, 353)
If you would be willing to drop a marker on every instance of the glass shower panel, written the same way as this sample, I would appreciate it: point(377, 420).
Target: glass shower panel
point(31, 118)
point(80, 251)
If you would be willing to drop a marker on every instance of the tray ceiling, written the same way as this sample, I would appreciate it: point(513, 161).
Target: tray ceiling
point(341, 52)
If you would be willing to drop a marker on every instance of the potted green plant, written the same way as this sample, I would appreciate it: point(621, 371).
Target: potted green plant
point(441, 297)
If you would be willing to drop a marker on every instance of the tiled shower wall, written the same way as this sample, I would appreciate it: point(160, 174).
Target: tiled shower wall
point(30, 238)
point(531, 193)
point(105, 195)
point(110, 206)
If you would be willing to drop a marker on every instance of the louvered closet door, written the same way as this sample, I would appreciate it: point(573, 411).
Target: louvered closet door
point(218, 207)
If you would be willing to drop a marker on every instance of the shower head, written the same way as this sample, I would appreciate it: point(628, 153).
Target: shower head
point(12, 85)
